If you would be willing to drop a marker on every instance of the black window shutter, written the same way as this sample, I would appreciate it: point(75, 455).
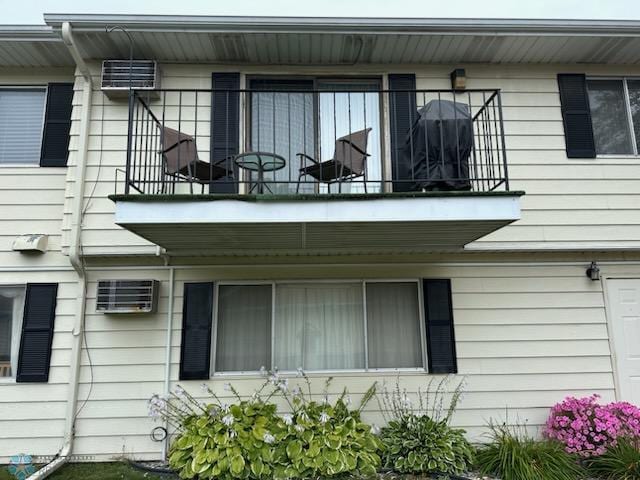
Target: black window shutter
point(197, 316)
point(37, 332)
point(57, 124)
point(441, 341)
point(403, 111)
point(576, 116)
point(225, 128)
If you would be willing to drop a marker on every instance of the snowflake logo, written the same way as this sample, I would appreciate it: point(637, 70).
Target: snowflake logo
point(21, 466)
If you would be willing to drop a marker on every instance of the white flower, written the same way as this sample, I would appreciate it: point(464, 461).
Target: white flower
point(204, 387)
point(325, 400)
point(224, 407)
point(233, 434)
point(300, 372)
point(324, 418)
point(227, 387)
point(287, 418)
point(299, 428)
point(296, 390)
point(406, 401)
point(263, 371)
point(302, 416)
point(347, 401)
point(228, 420)
point(375, 429)
point(179, 391)
point(283, 385)
point(268, 438)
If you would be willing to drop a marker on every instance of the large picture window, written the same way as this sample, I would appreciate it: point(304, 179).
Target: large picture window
point(615, 115)
point(319, 326)
point(11, 306)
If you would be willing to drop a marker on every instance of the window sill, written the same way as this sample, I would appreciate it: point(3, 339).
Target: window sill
point(20, 165)
point(7, 380)
point(323, 374)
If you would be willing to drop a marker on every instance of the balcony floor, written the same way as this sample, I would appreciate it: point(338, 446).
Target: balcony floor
point(206, 225)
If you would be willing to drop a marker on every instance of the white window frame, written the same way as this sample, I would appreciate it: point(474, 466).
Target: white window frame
point(627, 104)
point(363, 282)
point(16, 332)
point(45, 89)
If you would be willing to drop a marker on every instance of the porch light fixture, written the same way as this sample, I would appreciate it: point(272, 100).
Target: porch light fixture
point(459, 79)
point(593, 272)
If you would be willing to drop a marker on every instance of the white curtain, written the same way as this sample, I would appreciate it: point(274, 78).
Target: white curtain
point(21, 121)
point(243, 341)
point(319, 327)
point(11, 307)
point(342, 113)
point(393, 328)
point(282, 123)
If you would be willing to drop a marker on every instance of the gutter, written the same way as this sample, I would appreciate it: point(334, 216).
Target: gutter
point(75, 257)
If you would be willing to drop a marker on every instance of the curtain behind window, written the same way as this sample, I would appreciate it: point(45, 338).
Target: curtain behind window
point(319, 327)
point(11, 307)
point(393, 329)
point(21, 120)
point(243, 340)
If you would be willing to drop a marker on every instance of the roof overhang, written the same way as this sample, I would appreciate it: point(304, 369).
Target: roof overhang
point(339, 225)
point(32, 46)
point(339, 41)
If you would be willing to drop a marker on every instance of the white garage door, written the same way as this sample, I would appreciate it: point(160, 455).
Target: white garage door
point(624, 313)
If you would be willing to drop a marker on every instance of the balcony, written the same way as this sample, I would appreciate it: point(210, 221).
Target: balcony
point(340, 170)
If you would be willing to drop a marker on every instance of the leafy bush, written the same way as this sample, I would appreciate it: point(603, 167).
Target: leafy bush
point(249, 440)
point(587, 428)
point(619, 462)
point(420, 440)
point(512, 455)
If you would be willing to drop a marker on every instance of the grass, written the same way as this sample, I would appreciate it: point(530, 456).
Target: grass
point(621, 462)
point(96, 471)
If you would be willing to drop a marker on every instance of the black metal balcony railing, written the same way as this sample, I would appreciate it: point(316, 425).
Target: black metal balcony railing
point(315, 142)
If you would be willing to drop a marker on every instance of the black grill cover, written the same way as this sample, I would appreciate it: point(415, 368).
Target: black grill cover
point(438, 146)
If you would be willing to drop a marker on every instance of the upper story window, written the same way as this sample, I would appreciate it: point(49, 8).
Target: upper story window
point(318, 326)
point(21, 125)
point(11, 305)
point(615, 115)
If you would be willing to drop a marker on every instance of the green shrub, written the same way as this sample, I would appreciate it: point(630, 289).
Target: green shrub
point(513, 455)
point(420, 440)
point(619, 462)
point(249, 440)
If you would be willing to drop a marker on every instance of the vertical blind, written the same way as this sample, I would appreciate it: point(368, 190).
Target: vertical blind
point(21, 119)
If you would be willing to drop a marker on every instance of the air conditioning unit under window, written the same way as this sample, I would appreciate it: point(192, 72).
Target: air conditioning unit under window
point(144, 77)
point(127, 296)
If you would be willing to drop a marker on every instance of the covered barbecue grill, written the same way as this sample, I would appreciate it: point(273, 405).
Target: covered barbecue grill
point(438, 146)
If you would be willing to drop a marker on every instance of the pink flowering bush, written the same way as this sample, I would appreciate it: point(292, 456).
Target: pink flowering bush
point(587, 428)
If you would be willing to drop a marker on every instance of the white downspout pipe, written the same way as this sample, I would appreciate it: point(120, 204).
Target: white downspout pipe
point(75, 257)
point(167, 378)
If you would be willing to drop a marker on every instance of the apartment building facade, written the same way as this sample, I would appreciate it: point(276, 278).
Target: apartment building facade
point(428, 197)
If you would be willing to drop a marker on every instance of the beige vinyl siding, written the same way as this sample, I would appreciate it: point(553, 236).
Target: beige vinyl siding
point(32, 414)
point(527, 335)
point(32, 198)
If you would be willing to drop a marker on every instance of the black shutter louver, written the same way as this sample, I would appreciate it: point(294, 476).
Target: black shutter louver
point(403, 111)
point(441, 342)
point(576, 116)
point(57, 124)
point(197, 316)
point(37, 332)
point(225, 128)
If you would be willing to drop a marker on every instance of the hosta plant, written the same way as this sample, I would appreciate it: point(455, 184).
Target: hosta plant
point(513, 455)
point(418, 438)
point(619, 462)
point(249, 440)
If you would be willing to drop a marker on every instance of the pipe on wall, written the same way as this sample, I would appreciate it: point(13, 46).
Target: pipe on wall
point(167, 378)
point(75, 257)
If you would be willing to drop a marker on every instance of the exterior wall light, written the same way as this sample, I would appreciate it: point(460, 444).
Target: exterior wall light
point(593, 272)
point(459, 79)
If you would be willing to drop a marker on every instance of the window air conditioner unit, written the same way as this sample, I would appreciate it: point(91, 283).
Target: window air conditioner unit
point(145, 77)
point(127, 296)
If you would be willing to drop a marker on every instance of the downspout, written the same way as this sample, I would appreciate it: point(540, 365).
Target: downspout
point(75, 257)
point(167, 378)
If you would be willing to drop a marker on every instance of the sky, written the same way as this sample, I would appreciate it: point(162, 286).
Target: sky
point(30, 11)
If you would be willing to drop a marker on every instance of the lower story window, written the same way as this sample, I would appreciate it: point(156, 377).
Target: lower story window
point(318, 326)
point(11, 305)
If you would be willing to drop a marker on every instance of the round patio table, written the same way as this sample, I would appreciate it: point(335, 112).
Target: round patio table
point(260, 162)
